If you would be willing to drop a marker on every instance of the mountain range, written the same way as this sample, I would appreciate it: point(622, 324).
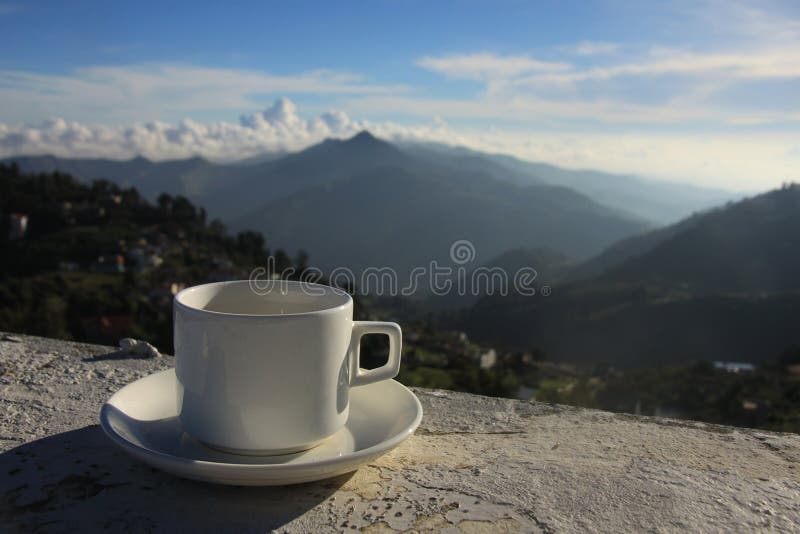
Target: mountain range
point(363, 201)
point(657, 201)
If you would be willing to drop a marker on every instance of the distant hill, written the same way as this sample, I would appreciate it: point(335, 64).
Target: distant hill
point(549, 263)
point(752, 246)
point(718, 286)
point(623, 250)
point(392, 216)
point(658, 201)
point(190, 177)
point(324, 163)
point(272, 174)
point(363, 201)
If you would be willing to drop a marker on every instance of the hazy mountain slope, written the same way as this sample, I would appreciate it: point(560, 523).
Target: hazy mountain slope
point(215, 187)
point(392, 217)
point(462, 159)
point(190, 177)
point(623, 250)
point(662, 202)
point(548, 262)
point(720, 286)
point(750, 246)
point(320, 164)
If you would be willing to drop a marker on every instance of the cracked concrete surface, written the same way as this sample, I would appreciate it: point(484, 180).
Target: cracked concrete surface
point(476, 464)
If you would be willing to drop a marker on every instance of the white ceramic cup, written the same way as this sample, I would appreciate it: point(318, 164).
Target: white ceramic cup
point(268, 370)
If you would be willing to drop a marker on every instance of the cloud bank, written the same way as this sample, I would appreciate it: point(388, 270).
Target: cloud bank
point(729, 161)
point(278, 129)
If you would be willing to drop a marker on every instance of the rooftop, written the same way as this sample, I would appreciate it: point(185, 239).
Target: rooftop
point(476, 464)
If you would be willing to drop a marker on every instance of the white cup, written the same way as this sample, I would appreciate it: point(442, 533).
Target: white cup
point(268, 370)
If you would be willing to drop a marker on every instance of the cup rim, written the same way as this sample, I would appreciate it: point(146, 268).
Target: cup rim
point(348, 300)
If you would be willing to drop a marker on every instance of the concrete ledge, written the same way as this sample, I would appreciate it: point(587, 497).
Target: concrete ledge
point(476, 464)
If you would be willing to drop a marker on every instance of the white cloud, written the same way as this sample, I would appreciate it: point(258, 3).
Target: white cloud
point(595, 48)
point(524, 108)
point(278, 128)
point(658, 86)
point(486, 66)
point(759, 22)
point(635, 84)
point(160, 91)
point(778, 63)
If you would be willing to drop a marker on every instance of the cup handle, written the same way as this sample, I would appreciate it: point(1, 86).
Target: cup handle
point(359, 376)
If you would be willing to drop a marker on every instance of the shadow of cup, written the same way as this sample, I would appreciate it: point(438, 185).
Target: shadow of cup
point(78, 479)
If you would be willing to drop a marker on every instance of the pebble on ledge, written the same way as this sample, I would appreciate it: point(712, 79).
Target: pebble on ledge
point(132, 346)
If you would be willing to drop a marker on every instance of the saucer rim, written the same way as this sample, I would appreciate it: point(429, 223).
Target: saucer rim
point(365, 454)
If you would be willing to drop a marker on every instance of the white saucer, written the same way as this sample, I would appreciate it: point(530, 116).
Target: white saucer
point(142, 419)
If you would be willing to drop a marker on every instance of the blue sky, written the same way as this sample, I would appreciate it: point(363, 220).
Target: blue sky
point(705, 91)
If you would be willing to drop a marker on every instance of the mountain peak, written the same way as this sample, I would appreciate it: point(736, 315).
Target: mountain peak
point(364, 137)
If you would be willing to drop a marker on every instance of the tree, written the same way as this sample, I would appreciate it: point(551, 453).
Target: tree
point(301, 262)
point(49, 317)
point(251, 245)
point(217, 227)
point(282, 262)
point(790, 356)
point(165, 203)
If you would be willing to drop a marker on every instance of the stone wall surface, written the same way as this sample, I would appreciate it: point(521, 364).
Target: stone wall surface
point(476, 464)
